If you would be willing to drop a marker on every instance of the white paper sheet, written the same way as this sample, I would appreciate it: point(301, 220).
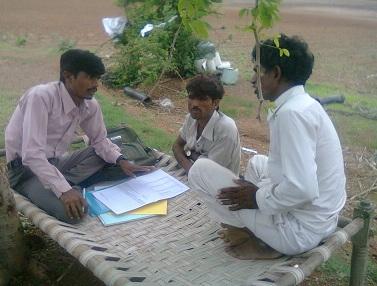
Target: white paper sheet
point(140, 191)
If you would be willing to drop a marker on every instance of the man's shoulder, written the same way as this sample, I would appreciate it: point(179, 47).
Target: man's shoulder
point(303, 108)
point(44, 89)
point(225, 126)
point(225, 121)
point(42, 92)
point(299, 104)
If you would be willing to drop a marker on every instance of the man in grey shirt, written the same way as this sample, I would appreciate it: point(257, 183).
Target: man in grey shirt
point(207, 132)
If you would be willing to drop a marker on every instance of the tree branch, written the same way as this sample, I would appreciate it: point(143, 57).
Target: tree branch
point(172, 46)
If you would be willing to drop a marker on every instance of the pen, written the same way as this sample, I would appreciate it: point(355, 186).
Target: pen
point(83, 195)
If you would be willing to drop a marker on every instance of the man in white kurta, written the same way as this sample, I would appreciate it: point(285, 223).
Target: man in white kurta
point(292, 198)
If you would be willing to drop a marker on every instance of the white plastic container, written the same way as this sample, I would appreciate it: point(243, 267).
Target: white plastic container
point(211, 66)
point(229, 76)
point(217, 60)
point(200, 65)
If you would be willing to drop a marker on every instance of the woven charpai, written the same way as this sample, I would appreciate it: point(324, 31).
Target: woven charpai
point(181, 248)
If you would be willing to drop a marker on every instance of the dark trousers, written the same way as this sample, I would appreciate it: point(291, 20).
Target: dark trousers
point(81, 168)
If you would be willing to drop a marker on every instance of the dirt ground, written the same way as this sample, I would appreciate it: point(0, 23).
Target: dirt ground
point(342, 35)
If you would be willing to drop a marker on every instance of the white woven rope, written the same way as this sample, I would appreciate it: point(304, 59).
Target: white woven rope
point(261, 283)
point(297, 272)
point(323, 250)
point(37, 218)
point(102, 267)
point(56, 230)
point(87, 255)
point(181, 248)
point(342, 236)
point(71, 245)
point(46, 223)
point(115, 276)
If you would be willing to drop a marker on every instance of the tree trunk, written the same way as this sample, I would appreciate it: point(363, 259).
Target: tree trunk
point(12, 245)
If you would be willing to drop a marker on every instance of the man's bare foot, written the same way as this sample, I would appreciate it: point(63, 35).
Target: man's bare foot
point(252, 249)
point(232, 235)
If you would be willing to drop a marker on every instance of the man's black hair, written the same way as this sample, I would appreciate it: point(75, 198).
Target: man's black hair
point(295, 68)
point(75, 61)
point(203, 86)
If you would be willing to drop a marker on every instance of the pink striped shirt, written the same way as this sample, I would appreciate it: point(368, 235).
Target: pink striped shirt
point(43, 126)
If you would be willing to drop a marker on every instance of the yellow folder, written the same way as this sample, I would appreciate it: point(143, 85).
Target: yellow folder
point(157, 208)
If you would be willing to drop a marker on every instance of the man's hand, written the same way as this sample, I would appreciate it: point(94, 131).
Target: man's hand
point(130, 169)
point(240, 197)
point(74, 204)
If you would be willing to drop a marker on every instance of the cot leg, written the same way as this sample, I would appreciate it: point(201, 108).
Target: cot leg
point(359, 261)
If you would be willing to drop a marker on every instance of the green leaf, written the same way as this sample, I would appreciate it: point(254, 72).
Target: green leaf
point(199, 28)
point(190, 10)
point(286, 52)
point(254, 12)
point(265, 16)
point(276, 42)
point(281, 52)
point(181, 8)
point(243, 11)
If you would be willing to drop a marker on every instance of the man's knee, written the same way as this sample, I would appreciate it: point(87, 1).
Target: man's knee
point(257, 161)
point(256, 168)
point(45, 199)
point(62, 216)
point(55, 207)
point(199, 169)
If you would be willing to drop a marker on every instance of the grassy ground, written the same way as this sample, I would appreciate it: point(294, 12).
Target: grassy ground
point(354, 128)
point(115, 116)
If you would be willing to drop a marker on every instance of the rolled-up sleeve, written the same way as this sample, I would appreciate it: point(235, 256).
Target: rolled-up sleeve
point(299, 183)
point(94, 127)
point(34, 145)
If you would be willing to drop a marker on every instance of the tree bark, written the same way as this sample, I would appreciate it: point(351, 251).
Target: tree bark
point(12, 244)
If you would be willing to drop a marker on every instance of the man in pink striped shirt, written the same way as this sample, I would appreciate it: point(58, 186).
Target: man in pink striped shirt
point(43, 126)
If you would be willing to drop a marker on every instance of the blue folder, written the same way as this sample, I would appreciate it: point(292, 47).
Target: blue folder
point(95, 206)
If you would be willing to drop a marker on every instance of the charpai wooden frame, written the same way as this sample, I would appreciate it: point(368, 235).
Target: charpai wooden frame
point(183, 248)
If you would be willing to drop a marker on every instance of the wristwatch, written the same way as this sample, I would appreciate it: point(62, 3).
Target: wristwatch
point(120, 158)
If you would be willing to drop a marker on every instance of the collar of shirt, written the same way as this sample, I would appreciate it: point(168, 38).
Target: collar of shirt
point(208, 129)
point(284, 98)
point(68, 103)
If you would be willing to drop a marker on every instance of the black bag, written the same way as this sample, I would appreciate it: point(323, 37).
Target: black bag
point(131, 146)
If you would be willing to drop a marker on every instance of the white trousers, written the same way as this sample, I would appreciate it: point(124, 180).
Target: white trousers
point(282, 232)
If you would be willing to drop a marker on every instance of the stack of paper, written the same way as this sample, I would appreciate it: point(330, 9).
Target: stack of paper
point(158, 208)
point(137, 198)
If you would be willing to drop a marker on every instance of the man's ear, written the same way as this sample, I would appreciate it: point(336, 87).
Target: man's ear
point(67, 75)
point(276, 71)
point(216, 103)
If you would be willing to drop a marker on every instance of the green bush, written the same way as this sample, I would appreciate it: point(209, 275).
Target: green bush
point(20, 41)
point(141, 60)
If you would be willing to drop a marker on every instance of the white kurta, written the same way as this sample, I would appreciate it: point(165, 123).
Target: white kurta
point(301, 184)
